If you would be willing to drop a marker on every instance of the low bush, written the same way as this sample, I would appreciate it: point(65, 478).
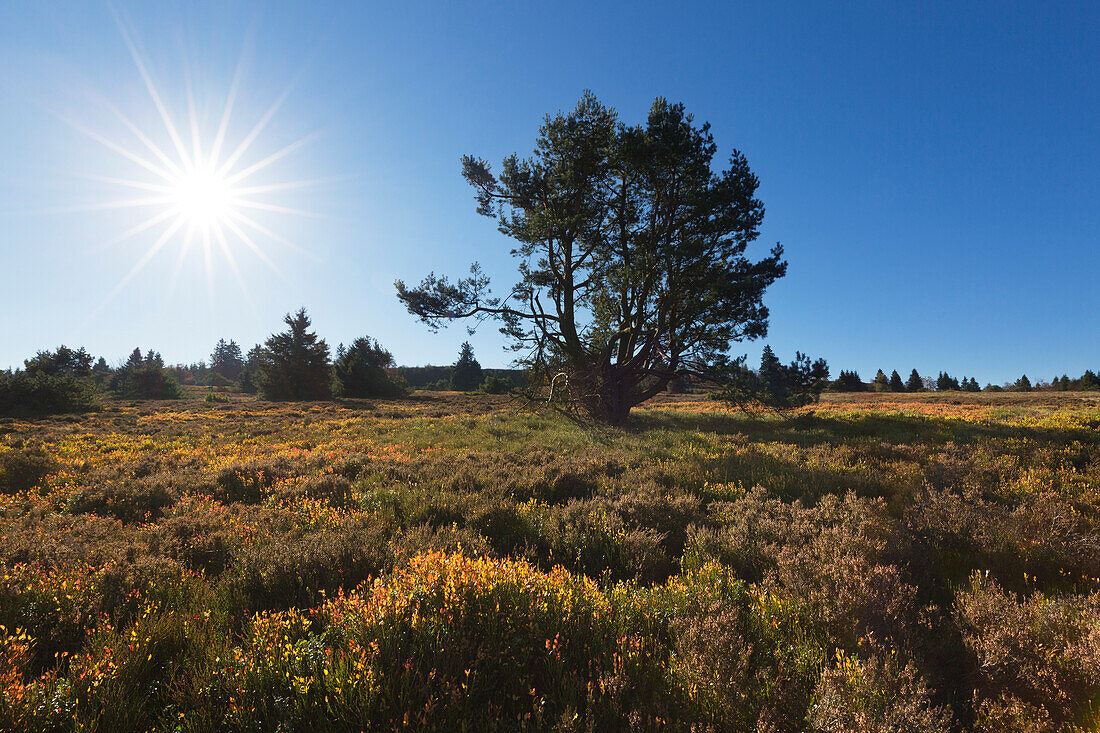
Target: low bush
point(1035, 660)
point(129, 500)
point(247, 482)
point(299, 569)
point(876, 694)
point(557, 657)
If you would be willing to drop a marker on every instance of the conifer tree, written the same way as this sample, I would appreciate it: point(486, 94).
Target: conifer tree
point(294, 364)
point(360, 370)
point(466, 374)
point(771, 372)
point(915, 383)
point(881, 382)
point(896, 385)
point(226, 361)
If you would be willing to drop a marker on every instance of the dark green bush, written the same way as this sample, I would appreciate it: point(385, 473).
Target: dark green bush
point(361, 370)
point(495, 384)
point(23, 395)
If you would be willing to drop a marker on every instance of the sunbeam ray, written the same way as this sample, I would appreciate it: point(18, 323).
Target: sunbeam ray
point(243, 236)
point(165, 117)
point(149, 223)
point(256, 130)
point(227, 251)
point(138, 266)
point(269, 159)
point(256, 226)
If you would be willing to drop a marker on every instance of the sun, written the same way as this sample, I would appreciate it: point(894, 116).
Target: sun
point(205, 198)
point(198, 183)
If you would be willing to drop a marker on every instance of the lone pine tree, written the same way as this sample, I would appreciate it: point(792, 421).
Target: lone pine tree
point(633, 269)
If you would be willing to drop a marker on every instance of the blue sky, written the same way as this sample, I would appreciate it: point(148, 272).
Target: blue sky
point(931, 169)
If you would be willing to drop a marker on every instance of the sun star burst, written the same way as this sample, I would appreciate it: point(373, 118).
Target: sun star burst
point(202, 192)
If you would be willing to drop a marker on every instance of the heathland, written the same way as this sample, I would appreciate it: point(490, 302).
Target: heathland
point(872, 562)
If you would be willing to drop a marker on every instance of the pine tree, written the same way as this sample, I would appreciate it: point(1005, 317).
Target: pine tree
point(1089, 380)
point(1023, 384)
point(914, 383)
point(881, 382)
point(466, 375)
point(896, 385)
point(294, 364)
point(771, 372)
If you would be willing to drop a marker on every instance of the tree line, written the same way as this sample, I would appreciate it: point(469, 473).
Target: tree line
point(295, 364)
point(850, 381)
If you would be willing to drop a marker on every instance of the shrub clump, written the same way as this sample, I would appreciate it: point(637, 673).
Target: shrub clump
point(129, 500)
point(411, 651)
point(31, 395)
point(1036, 660)
point(24, 468)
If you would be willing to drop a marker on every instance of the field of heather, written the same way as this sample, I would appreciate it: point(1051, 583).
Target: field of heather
point(460, 562)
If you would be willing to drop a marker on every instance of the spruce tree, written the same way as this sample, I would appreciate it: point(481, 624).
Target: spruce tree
point(1089, 380)
point(466, 373)
point(294, 364)
point(914, 383)
point(771, 373)
point(896, 385)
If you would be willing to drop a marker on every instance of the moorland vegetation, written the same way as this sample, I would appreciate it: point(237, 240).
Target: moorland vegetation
point(894, 562)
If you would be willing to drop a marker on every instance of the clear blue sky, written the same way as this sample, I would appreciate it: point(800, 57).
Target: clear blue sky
point(933, 170)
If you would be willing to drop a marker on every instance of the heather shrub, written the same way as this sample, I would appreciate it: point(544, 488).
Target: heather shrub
point(201, 541)
point(24, 468)
point(1043, 541)
point(246, 483)
point(296, 569)
point(423, 539)
point(748, 657)
point(332, 489)
point(1035, 659)
point(128, 500)
point(555, 658)
point(876, 694)
point(668, 513)
point(823, 555)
